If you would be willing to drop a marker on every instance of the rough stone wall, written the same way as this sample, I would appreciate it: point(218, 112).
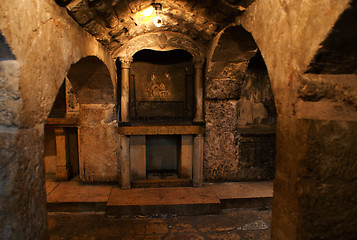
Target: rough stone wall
point(44, 42)
point(314, 190)
point(237, 97)
point(23, 215)
point(98, 143)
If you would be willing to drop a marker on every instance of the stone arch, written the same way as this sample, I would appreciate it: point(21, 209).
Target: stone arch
point(234, 44)
point(88, 85)
point(24, 215)
point(313, 179)
point(160, 41)
point(338, 52)
point(91, 81)
point(238, 88)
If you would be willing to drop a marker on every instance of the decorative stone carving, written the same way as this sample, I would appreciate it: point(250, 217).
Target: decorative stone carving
point(125, 61)
point(160, 41)
point(198, 62)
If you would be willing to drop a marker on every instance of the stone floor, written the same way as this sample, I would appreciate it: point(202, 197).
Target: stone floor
point(228, 224)
point(84, 211)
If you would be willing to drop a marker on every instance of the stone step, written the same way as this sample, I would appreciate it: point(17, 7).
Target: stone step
point(76, 197)
point(244, 194)
point(155, 183)
point(151, 201)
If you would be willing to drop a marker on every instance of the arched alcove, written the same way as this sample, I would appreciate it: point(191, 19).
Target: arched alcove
point(240, 111)
point(91, 81)
point(161, 41)
point(83, 112)
point(161, 94)
point(161, 87)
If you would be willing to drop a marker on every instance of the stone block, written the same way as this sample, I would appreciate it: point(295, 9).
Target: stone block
point(61, 173)
point(318, 172)
point(220, 144)
point(94, 114)
point(22, 175)
point(221, 89)
point(186, 157)
point(138, 157)
point(98, 153)
point(226, 69)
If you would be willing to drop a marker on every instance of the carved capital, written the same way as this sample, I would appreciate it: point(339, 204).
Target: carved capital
point(198, 62)
point(125, 61)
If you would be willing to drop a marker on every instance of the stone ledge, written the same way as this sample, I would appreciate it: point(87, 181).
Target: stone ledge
point(160, 130)
point(62, 122)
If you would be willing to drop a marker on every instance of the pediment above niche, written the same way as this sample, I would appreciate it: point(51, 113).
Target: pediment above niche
point(160, 41)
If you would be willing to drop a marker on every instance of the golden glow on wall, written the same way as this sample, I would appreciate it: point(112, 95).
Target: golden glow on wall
point(152, 13)
point(146, 15)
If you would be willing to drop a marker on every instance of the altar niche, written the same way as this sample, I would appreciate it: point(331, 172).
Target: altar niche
point(161, 87)
point(161, 92)
point(161, 104)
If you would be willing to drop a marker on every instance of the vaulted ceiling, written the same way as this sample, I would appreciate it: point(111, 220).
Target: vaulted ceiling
point(114, 22)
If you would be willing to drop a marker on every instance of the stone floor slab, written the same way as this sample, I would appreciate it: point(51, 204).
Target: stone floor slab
point(147, 201)
point(228, 224)
point(243, 194)
point(76, 196)
point(242, 189)
point(50, 186)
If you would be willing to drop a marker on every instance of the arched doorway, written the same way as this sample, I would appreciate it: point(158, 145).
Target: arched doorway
point(83, 112)
point(239, 111)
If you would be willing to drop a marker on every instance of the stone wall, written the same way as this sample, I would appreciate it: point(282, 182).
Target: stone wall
point(98, 143)
point(315, 162)
point(237, 96)
point(42, 41)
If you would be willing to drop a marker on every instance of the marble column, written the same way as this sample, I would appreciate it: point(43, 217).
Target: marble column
point(197, 165)
point(198, 63)
point(125, 75)
point(61, 154)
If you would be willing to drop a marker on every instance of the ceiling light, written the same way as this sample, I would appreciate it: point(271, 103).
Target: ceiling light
point(151, 13)
point(158, 9)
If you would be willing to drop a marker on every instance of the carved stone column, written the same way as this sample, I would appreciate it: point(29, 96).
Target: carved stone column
point(61, 154)
point(125, 71)
point(198, 117)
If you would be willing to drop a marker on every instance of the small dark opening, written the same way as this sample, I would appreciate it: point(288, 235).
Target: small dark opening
point(162, 156)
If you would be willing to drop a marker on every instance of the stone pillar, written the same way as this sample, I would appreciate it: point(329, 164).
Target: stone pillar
point(124, 158)
point(125, 75)
point(198, 161)
point(61, 154)
point(138, 157)
point(186, 157)
point(198, 117)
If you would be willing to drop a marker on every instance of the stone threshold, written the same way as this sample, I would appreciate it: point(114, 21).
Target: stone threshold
point(158, 183)
point(75, 196)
